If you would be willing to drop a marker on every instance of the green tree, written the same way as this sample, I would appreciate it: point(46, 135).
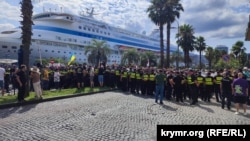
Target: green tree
point(26, 27)
point(172, 11)
point(186, 41)
point(232, 63)
point(157, 14)
point(175, 57)
point(131, 56)
point(150, 57)
point(209, 55)
point(238, 50)
point(98, 50)
point(200, 46)
point(218, 54)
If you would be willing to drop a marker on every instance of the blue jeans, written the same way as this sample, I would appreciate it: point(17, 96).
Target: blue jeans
point(159, 90)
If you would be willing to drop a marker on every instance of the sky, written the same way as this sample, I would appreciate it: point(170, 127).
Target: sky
point(220, 22)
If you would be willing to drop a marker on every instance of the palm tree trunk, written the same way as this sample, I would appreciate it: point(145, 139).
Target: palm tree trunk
point(168, 45)
point(26, 26)
point(200, 60)
point(186, 58)
point(161, 46)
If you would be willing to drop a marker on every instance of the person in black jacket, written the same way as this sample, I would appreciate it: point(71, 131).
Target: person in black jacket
point(22, 82)
point(226, 90)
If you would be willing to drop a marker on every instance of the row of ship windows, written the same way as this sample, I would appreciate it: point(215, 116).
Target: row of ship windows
point(94, 30)
point(14, 47)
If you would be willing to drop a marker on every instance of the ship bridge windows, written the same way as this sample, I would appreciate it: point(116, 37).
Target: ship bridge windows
point(8, 32)
point(4, 46)
point(41, 16)
point(80, 27)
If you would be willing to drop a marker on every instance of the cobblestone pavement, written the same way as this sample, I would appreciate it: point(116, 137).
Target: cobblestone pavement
point(109, 116)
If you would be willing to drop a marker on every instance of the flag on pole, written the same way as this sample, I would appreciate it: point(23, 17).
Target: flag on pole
point(72, 59)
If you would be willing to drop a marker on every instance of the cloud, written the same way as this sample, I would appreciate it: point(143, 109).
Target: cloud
point(215, 19)
point(9, 12)
point(6, 26)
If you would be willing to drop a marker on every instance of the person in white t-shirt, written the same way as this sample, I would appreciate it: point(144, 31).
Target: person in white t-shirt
point(2, 73)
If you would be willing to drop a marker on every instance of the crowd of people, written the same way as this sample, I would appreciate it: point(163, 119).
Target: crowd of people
point(172, 84)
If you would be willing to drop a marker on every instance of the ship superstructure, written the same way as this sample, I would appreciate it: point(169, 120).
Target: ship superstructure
point(58, 35)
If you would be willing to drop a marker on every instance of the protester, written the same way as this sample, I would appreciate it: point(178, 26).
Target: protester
point(100, 75)
point(240, 92)
point(22, 81)
point(91, 76)
point(226, 91)
point(57, 79)
point(45, 79)
point(2, 73)
point(159, 86)
point(35, 77)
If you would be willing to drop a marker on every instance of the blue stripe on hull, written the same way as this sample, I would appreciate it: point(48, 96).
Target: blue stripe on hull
point(88, 35)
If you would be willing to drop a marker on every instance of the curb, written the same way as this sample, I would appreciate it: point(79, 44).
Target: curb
point(16, 104)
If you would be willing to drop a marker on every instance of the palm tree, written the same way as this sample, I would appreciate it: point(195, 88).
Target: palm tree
point(200, 46)
point(172, 11)
point(148, 57)
point(238, 48)
point(98, 52)
point(175, 57)
point(157, 14)
point(209, 54)
point(186, 41)
point(26, 26)
point(131, 57)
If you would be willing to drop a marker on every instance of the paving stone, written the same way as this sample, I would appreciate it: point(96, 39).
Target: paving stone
point(111, 116)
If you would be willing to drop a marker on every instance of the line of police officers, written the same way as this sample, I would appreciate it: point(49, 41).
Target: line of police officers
point(179, 85)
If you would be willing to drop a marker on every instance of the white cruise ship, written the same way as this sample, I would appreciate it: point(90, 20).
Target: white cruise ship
point(58, 35)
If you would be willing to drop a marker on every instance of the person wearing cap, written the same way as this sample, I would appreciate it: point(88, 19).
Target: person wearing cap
point(226, 90)
point(35, 77)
